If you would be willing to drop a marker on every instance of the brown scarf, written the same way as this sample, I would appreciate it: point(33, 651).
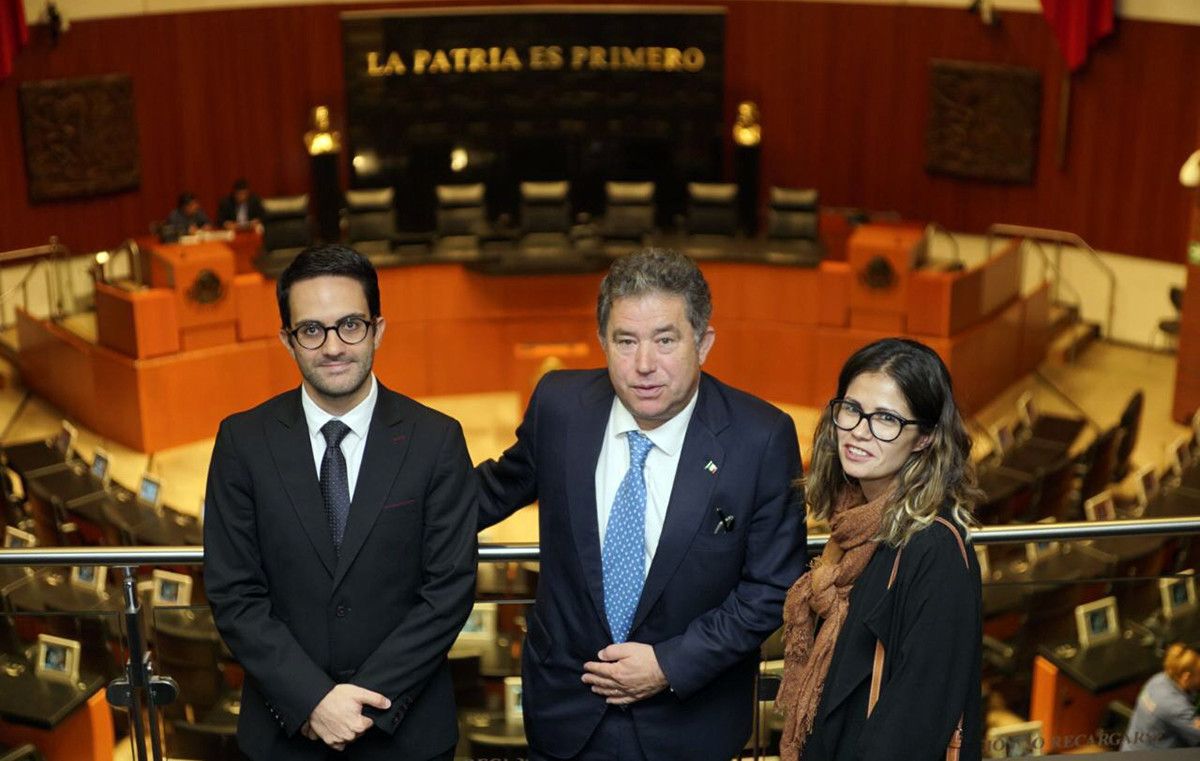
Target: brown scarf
point(822, 592)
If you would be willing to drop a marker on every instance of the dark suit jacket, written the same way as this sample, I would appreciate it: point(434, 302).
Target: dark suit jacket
point(381, 614)
point(930, 624)
point(710, 599)
point(227, 209)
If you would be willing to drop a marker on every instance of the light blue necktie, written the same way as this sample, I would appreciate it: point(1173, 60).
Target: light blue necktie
point(625, 542)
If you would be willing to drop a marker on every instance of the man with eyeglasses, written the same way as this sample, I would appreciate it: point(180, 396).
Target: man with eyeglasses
point(339, 548)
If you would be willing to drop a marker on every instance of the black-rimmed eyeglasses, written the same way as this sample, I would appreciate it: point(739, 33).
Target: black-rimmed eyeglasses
point(312, 335)
point(884, 425)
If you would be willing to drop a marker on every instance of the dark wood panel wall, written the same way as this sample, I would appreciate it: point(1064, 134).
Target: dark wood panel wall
point(843, 91)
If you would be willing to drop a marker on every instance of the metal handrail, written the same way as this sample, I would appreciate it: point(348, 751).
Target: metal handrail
point(1060, 237)
point(1015, 533)
point(45, 253)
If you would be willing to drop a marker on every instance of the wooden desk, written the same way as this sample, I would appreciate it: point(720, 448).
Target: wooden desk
point(784, 333)
point(200, 275)
point(81, 728)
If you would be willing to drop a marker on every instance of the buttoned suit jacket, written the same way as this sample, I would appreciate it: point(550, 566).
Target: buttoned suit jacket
point(711, 596)
point(382, 613)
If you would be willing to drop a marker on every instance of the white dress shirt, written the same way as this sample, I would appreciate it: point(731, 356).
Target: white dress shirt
point(661, 464)
point(359, 421)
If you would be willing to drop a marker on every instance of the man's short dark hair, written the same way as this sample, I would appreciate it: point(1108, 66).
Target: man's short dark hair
point(185, 198)
point(240, 184)
point(656, 270)
point(327, 259)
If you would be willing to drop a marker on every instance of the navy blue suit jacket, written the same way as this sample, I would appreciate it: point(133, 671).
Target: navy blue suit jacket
point(710, 599)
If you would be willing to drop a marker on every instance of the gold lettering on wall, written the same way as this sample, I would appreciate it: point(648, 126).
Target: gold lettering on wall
point(537, 58)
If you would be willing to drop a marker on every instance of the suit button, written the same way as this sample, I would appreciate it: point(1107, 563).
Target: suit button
point(341, 611)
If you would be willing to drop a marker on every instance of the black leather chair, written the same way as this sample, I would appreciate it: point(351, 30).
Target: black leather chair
point(628, 214)
point(1130, 423)
point(369, 219)
point(461, 220)
point(712, 218)
point(793, 226)
point(287, 230)
point(545, 220)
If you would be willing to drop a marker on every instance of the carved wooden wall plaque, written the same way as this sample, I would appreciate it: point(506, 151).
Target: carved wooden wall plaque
point(80, 137)
point(983, 121)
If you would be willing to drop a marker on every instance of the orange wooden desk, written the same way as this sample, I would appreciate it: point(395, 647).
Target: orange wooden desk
point(782, 333)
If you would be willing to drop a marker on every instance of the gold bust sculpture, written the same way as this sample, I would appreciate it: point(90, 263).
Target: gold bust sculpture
point(746, 129)
point(320, 139)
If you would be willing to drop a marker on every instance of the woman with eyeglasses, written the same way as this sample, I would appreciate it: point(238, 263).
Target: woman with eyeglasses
point(882, 637)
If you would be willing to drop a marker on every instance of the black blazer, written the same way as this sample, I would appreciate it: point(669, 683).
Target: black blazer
point(930, 624)
point(710, 599)
point(382, 614)
point(227, 209)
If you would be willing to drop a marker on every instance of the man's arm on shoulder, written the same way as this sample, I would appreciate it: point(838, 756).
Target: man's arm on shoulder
point(510, 483)
point(411, 653)
point(775, 553)
point(237, 589)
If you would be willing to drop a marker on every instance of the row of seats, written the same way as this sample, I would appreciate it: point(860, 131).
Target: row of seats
point(546, 226)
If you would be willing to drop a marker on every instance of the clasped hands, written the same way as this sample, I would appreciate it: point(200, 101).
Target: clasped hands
point(338, 719)
point(625, 673)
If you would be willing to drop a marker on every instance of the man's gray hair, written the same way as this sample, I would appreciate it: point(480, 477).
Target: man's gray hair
point(656, 270)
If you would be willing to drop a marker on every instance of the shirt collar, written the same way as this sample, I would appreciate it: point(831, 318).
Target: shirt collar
point(668, 437)
point(358, 419)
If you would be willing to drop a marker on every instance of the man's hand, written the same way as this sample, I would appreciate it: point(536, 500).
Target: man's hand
point(338, 718)
point(625, 673)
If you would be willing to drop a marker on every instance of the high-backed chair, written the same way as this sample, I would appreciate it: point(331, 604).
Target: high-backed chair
point(545, 219)
point(461, 220)
point(711, 208)
point(1130, 423)
point(369, 219)
point(711, 222)
point(793, 225)
point(1100, 462)
point(287, 229)
point(628, 212)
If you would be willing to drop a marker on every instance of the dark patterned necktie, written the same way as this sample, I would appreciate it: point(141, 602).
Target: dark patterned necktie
point(335, 483)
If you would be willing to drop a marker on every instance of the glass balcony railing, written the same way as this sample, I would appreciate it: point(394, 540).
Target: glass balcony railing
point(103, 648)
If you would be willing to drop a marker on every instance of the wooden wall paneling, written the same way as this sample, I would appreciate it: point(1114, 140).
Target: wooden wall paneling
point(842, 90)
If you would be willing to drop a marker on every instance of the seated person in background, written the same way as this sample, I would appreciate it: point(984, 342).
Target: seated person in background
point(241, 208)
point(187, 217)
point(1165, 716)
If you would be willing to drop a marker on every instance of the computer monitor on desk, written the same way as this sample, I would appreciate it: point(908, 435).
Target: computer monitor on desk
point(64, 441)
point(149, 493)
point(99, 469)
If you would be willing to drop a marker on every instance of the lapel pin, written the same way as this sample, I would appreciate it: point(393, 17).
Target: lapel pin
point(711, 467)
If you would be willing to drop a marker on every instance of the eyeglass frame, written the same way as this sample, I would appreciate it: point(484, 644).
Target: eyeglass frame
point(864, 415)
point(370, 321)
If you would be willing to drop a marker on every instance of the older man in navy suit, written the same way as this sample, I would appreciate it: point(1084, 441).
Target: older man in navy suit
point(670, 532)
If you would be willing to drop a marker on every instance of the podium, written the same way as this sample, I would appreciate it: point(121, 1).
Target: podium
point(201, 277)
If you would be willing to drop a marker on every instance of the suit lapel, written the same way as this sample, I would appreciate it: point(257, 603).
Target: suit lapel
point(585, 438)
point(291, 449)
point(691, 494)
point(386, 446)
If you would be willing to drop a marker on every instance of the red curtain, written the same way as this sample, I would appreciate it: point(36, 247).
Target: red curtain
point(13, 33)
point(1078, 25)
